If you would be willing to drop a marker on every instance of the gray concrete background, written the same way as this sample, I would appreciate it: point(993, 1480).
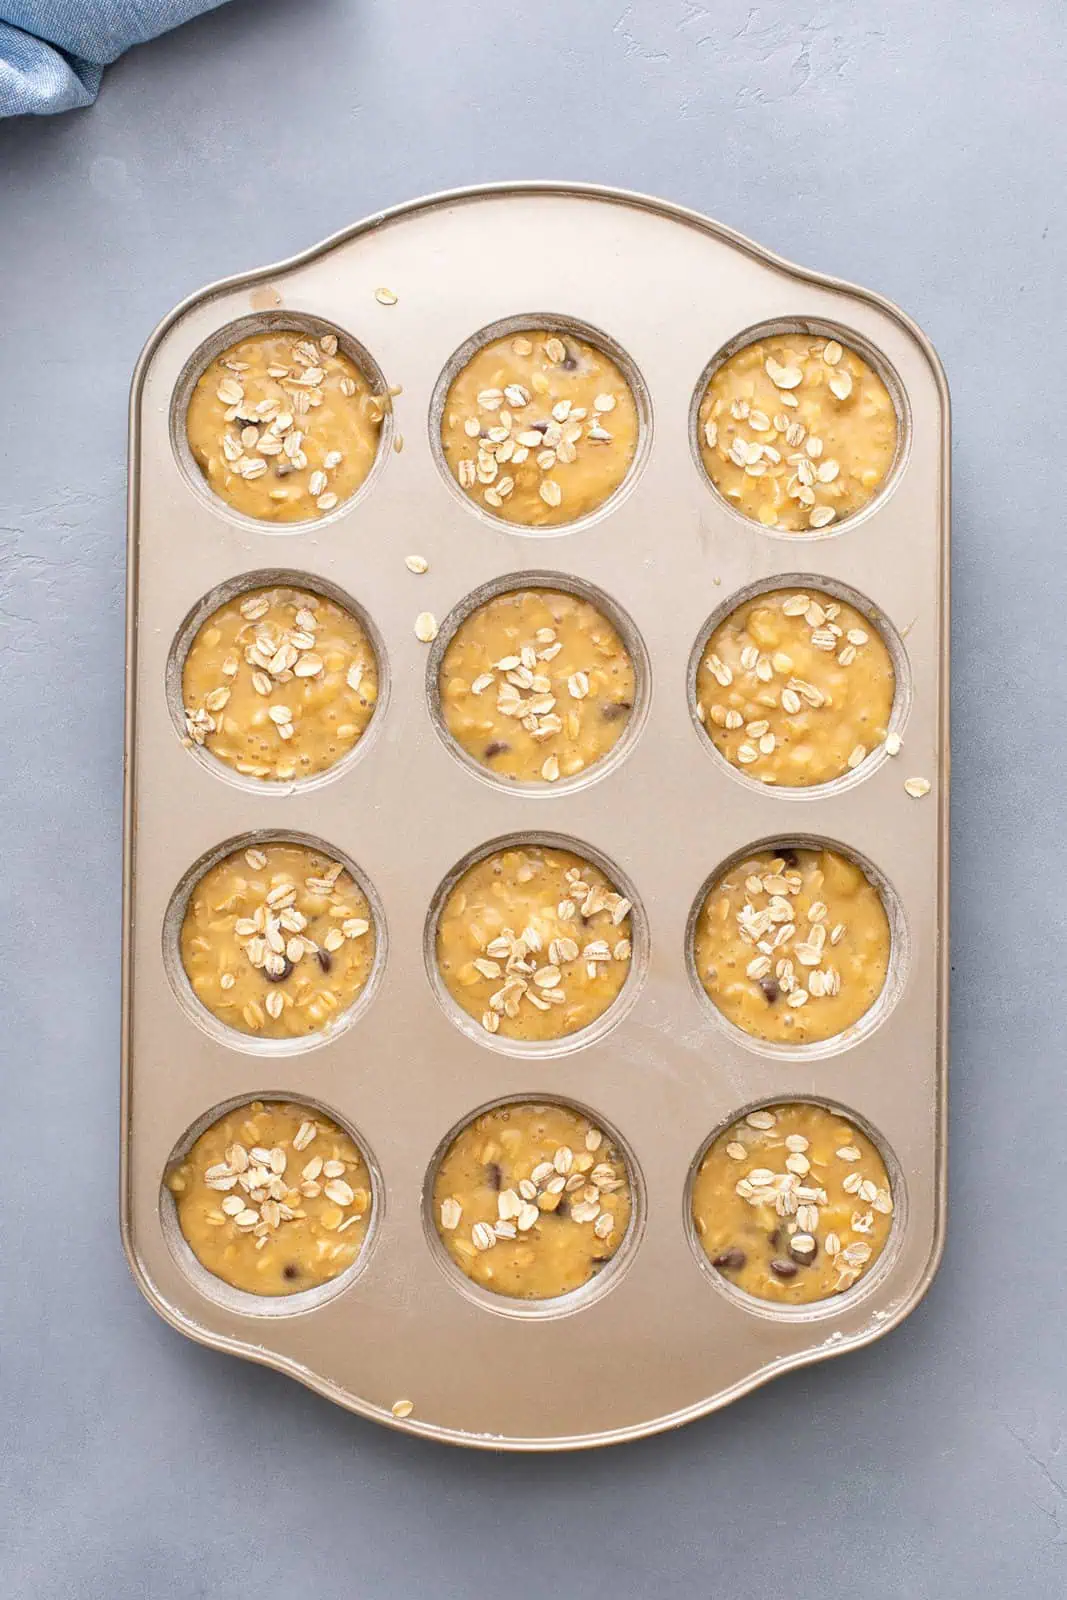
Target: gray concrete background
point(915, 147)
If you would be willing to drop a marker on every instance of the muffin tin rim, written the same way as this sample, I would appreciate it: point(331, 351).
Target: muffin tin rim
point(534, 579)
point(179, 981)
point(573, 1301)
point(588, 333)
point(814, 1310)
point(244, 1302)
point(223, 594)
point(542, 1050)
point(880, 621)
point(247, 327)
point(859, 344)
point(897, 968)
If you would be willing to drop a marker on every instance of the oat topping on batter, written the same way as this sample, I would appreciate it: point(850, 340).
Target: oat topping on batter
point(531, 1200)
point(792, 1203)
point(539, 427)
point(537, 684)
point(284, 426)
point(795, 688)
point(277, 940)
point(797, 431)
point(274, 1198)
point(793, 947)
point(279, 684)
point(534, 942)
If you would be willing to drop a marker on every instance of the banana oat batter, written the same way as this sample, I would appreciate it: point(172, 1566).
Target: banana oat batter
point(274, 1198)
point(531, 1200)
point(795, 689)
point(792, 1203)
point(539, 427)
point(796, 431)
point(536, 685)
point(793, 945)
point(279, 684)
point(284, 426)
point(277, 940)
point(534, 942)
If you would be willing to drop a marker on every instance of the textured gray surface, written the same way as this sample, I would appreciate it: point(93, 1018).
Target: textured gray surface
point(906, 145)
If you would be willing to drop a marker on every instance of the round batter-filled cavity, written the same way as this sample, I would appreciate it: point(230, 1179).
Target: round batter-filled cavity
point(534, 942)
point(539, 427)
point(792, 1203)
point(536, 685)
point(284, 425)
point(795, 688)
point(277, 940)
point(792, 945)
point(274, 1198)
point(531, 1200)
point(797, 431)
point(279, 683)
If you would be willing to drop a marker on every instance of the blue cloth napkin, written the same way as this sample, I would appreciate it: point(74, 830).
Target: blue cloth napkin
point(53, 52)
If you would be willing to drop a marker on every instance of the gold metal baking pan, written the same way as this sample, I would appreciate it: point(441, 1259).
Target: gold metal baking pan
point(661, 1341)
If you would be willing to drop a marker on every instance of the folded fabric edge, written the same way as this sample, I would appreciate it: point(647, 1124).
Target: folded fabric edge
point(52, 59)
point(100, 30)
point(38, 80)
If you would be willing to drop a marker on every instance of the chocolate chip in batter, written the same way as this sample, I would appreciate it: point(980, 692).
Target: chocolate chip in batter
point(789, 856)
point(290, 1272)
point(770, 989)
point(279, 977)
point(494, 1176)
point(731, 1260)
point(783, 1269)
point(496, 747)
point(324, 959)
point(616, 709)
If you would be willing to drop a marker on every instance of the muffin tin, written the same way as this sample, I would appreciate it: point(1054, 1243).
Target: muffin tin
point(658, 1339)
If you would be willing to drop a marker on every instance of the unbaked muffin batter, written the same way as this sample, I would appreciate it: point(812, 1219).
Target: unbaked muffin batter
point(279, 684)
point(277, 940)
point(284, 426)
point(531, 1200)
point(534, 942)
point(536, 685)
point(796, 431)
point(792, 1203)
point(793, 945)
point(539, 427)
point(795, 688)
point(274, 1198)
